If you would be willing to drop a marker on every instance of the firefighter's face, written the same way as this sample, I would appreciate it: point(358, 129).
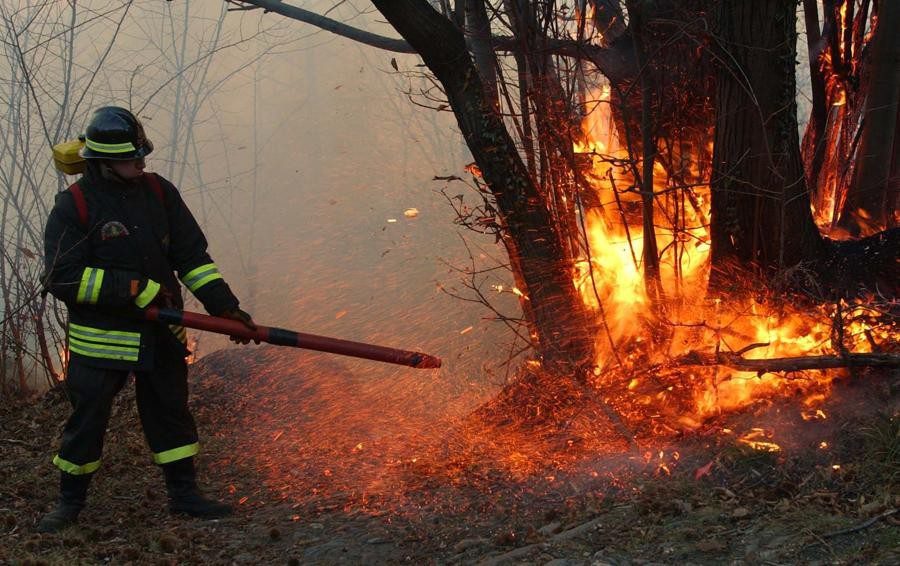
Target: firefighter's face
point(128, 168)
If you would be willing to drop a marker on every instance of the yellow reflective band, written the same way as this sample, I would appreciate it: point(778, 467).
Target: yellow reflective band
point(89, 288)
point(75, 469)
point(105, 336)
point(103, 351)
point(200, 276)
point(148, 294)
point(104, 344)
point(179, 332)
point(109, 147)
point(175, 454)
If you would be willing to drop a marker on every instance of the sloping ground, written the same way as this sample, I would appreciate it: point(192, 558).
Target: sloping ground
point(325, 466)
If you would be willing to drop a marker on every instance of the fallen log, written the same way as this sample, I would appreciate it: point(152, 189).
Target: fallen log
point(801, 363)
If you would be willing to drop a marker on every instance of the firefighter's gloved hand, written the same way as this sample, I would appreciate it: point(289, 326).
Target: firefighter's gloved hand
point(165, 299)
point(246, 319)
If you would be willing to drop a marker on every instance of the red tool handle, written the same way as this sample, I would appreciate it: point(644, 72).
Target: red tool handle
point(282, 337)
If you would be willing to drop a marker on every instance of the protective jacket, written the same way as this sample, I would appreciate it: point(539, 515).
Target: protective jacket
point(123, 258)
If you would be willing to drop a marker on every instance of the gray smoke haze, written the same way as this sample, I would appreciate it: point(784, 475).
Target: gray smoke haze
point(298, 152)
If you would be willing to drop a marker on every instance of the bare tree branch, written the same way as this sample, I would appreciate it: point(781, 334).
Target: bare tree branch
point(616, 61)
point(334, 26)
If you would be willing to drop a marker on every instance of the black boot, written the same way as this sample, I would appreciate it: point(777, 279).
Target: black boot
point(184, 496)
point(72, 496)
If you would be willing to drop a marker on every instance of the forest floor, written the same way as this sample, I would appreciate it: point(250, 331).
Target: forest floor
point(311, 487)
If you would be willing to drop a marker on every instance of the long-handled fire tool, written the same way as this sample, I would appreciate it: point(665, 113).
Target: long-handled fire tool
point(282, 337)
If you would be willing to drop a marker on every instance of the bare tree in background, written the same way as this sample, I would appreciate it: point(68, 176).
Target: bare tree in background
point(46, 95)
point(59, 61)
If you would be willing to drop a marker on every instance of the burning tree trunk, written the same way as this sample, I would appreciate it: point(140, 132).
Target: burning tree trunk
point(875, 186)
point(850, 142)
point(760, 206)
point(560, 324)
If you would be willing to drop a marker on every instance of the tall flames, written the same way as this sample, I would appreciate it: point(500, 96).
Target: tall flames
point(610, 279)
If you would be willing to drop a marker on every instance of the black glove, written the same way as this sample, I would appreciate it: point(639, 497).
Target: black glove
point(164, 299)
point(246, 319)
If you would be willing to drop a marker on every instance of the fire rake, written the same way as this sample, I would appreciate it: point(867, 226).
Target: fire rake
point(282, 337)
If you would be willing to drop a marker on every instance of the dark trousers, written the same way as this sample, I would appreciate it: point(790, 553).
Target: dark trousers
point(162, 396)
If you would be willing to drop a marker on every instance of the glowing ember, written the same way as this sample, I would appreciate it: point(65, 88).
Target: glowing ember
point(760, 439)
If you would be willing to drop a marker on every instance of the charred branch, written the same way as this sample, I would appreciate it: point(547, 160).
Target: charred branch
point(801, 363)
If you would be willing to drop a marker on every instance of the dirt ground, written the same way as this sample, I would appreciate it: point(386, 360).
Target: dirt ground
point(325, 468)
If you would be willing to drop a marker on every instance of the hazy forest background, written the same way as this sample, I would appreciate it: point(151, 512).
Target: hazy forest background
point(296, 150)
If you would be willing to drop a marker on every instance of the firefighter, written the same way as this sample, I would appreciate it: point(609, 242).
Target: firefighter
point(113, 244)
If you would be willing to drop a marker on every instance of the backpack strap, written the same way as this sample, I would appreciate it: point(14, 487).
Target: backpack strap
point(80, 204)
point(153, 180)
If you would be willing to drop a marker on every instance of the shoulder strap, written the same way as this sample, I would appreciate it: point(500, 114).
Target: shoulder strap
point(80, 204)
point(153, 179)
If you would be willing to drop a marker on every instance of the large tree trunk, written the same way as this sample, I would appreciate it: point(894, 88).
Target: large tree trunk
point(560, 323)
point(760, 205)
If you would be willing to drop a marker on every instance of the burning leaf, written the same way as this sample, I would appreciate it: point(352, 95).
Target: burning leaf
point(703, 470)
point(760, 439)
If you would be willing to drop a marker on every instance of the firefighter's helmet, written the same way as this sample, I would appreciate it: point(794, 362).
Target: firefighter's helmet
point(115, 133)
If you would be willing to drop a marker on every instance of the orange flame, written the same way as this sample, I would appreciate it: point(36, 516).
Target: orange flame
point(610, 280)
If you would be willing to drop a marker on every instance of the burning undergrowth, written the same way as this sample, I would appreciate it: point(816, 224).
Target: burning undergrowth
point(322, 438)
point(331, 464)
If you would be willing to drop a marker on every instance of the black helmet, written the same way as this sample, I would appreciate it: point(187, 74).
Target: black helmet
point(114, 133)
